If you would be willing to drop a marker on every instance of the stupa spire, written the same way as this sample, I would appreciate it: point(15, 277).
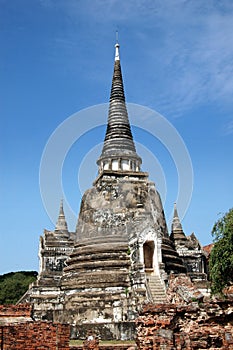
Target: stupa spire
point(117, 52)
point(61, 224)
point(177, 232)
point(119, 151)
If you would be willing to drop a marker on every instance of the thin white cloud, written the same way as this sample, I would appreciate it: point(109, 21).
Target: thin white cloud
point(198, 65)
point(187, 45)
point(229, 128)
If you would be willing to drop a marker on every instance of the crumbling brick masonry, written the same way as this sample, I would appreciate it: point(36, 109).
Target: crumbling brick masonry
point(207, 325)
point(18, 331)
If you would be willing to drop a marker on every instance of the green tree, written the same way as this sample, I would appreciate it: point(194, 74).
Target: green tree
point(221, 256)
point(13, 285)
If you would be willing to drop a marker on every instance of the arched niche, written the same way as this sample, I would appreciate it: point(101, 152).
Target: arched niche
point(148, 253)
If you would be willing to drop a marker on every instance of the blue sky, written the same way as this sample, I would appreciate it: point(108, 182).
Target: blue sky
point(57, 59)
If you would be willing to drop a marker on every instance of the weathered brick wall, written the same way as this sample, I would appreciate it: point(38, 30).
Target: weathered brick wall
point(21, 310)
point(106, 347)
point(206, 325)
point(18, 331)
point(34, 336)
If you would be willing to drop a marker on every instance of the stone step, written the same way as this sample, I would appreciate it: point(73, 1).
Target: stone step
point(157, 293)
point(157, 290)
point(156, 285)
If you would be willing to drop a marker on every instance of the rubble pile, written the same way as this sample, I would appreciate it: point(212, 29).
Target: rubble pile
point(207, 325)
point(182, 290)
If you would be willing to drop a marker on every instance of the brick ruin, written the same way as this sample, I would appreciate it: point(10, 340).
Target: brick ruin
point(193, 326)
point(121, 254)
point(186, 321)
point(18, 331)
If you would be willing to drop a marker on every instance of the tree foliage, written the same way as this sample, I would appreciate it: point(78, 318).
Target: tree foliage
point(13, 285)
point(221, 257)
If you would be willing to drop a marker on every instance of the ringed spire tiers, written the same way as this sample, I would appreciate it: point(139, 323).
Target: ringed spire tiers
point(177, 232)
point(118, 153)
point(61, 225)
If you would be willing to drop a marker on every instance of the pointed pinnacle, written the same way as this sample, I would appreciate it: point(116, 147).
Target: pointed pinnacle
point(61, 224)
